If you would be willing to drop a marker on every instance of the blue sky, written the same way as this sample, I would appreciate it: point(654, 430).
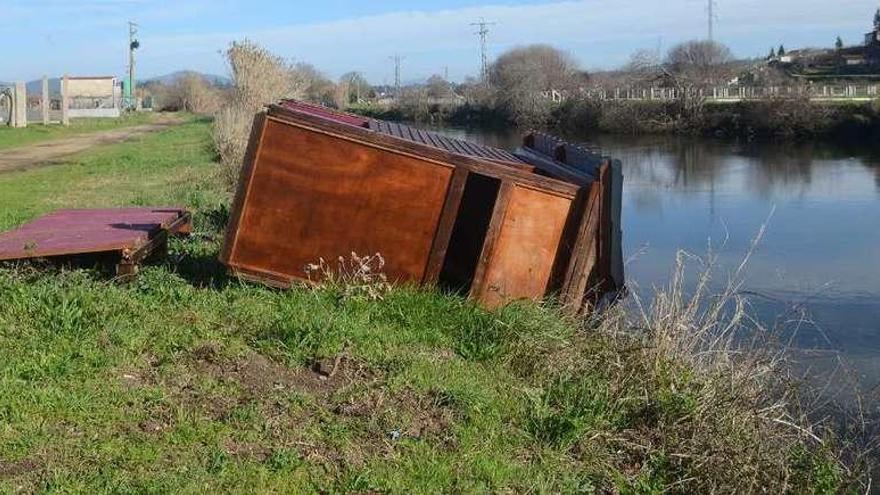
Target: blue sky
point(89, 37)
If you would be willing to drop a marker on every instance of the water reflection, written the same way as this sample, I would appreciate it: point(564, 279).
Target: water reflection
point(821, 251)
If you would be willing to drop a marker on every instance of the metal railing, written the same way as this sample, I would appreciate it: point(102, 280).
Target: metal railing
point(721, 94)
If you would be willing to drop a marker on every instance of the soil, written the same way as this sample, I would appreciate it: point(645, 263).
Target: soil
point(345, 388)
point(57, 150)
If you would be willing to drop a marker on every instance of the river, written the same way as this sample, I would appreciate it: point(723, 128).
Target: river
point(815, 273)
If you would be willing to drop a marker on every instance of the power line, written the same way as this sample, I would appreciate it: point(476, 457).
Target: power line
point(483, 33)
point(711, 9)
point(397, 61)
point(133, 44)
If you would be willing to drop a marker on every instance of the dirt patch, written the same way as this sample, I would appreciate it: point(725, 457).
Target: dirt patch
point(57, 150)
point(247, 451)
point(340, 389)
point(13, 469)
point(259, 376)
point(404, 414)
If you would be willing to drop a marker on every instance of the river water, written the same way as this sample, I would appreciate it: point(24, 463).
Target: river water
point(819, 259)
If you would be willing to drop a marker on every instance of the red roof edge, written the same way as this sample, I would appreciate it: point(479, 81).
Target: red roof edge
point(324, 112)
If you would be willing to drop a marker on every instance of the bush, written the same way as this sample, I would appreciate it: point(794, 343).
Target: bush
point(259, 78)
point(787, 117)
point(192, 93)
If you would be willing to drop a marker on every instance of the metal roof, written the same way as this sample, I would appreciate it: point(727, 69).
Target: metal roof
point(407, 132)
point(437, 140)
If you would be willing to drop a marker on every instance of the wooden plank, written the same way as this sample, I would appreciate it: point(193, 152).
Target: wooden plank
point(332, 197)
point(444, 229)
point(419, 151)
point(479, 285)
point(244, 187)
point(585, 253)
point(616, 261)
point(524, 248)
point(601, 277)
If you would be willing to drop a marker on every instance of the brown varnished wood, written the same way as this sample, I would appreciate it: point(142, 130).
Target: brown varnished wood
point(521, 257)
point(585, 252)
point(316, 188)
point(601, 281)
point(447, 222)
point(421, 151)
point(479, 285)
point(313, 196)
point(244, 184)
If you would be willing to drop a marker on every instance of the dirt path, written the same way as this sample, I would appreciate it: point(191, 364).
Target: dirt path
point(55, 151)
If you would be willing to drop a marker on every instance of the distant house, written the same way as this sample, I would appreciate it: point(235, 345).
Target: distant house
point(854, 61)
point(872, 41)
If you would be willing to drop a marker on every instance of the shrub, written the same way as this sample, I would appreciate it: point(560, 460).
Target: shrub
point(192, 93)
point(259, 78)
point(786, 117)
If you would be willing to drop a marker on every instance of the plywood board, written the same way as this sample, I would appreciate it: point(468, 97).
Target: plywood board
point(314, 196)
point(522, 247)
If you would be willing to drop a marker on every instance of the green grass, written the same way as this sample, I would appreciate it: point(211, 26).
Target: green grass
point(188, 381)
point(174, 167)
point(34, 133)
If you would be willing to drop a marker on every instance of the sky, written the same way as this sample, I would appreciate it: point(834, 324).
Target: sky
point(90, 37)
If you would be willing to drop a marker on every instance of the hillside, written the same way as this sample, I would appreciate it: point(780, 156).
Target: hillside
point(212, 79)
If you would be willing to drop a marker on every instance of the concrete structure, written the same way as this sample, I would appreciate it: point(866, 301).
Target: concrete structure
point(93, 97)
point(45, 102)
point(65, 101)
point(91, 87)
point(19, 105)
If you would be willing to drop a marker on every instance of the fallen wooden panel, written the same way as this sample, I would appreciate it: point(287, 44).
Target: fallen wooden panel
point(316, 196)
point(522, 246)
point(133, 233)
point(593, 243)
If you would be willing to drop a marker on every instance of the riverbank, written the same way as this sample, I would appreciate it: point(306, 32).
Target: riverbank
point(769, 119)
point(190, 380)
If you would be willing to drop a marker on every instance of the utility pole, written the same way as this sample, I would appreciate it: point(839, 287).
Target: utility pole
point(483, 33)
point(397, 60)
point(711, 20)
point(133, 45)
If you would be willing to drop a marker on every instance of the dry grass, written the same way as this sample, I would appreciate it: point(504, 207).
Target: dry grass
point(259, 78)
point(727, 415)
point(360, 277)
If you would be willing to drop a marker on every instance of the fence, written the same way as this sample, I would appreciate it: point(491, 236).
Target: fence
point(732, 94)
point(74, 97)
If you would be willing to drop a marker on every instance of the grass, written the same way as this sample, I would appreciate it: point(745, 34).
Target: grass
point(34, 133)
point(188, 381)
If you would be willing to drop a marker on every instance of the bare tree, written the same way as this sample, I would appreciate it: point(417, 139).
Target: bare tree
point(643, 67)
point(318, 88)
point(352, 88)
point(438, 88)
point(522, 77)
point(191, 92)
point(699, 62)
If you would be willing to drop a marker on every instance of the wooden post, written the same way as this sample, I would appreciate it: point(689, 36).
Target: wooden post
point(65, 102)
point(44, 101)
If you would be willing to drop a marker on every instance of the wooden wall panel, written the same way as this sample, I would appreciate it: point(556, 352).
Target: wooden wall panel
point(521, 247)
point(314, 196)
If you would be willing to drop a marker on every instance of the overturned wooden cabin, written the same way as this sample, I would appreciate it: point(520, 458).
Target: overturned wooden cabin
point(499, 226)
